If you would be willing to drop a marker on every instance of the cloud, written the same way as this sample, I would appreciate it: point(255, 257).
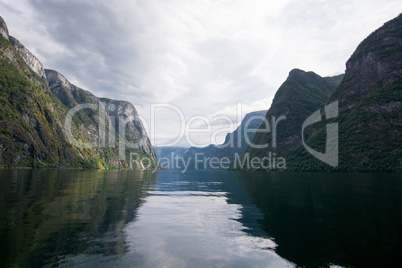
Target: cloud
point(200, 55)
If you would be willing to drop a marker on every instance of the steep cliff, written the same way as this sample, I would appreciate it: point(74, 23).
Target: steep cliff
point(29, 58)
point(298, 97)
point(370, 108)
point(45, 121)
point(3, 29)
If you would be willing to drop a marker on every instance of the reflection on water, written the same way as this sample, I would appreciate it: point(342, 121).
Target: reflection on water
point(199, 229)
point(50, 214)
point(318, 219)
point(81, 218)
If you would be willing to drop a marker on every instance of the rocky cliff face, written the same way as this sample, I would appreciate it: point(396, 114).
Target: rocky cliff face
point(134, 130)
point(34, 107)
point(29, 58)
point(374, 66)
point(3, 29)
point(370, 108)
point(122, 112)
point(370, 100)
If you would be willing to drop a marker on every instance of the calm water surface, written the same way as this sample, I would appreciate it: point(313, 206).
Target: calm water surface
point(84, 218)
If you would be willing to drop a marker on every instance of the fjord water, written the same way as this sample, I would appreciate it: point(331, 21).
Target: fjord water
point(95, 218)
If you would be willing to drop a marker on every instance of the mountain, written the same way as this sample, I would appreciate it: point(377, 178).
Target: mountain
point(370, 108)
point(166, 152)
point(238, 140)
point(235, 142)
point(299, 96)
point(45, 121)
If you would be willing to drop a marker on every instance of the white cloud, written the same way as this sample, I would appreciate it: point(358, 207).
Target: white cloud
point(200, 55)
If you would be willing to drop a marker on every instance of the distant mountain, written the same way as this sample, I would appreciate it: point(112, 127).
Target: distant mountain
point(34, 108)
point(238, 140)
point(298, 97)
point(163, 152)
point(235, 142)
point(370, 108)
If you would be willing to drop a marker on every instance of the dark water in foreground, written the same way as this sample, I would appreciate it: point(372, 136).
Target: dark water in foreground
point(82, 218)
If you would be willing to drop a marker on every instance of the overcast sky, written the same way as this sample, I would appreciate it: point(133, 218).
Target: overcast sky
point(205, 57)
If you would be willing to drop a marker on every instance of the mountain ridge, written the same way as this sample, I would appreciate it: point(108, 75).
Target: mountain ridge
point(300, 95)
point(370, 108)
point(235, 142)
point(34, 105)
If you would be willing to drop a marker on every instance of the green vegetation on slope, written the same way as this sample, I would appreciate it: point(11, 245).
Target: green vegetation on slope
point(370, 109)
point(297, 98)
point(32, 119)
